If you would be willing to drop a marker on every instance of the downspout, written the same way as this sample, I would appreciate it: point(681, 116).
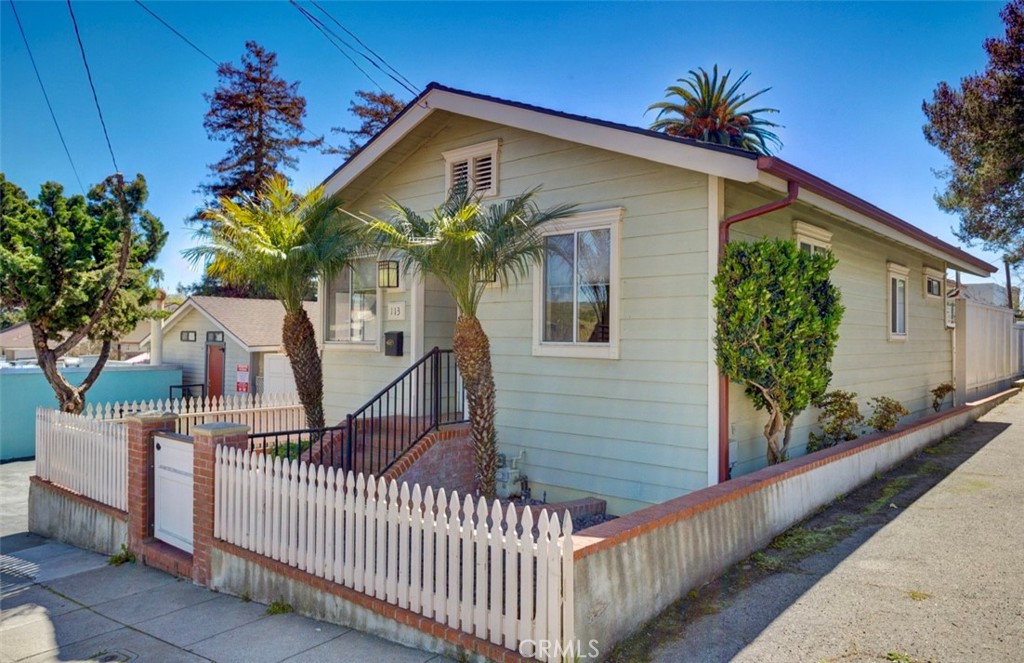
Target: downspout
point(793, 189)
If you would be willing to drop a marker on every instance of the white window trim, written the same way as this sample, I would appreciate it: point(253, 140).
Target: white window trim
point(490, 148)
point(607, 218)
point(897, 271)
point(352, 346)
point(935, 275)
point(805, 233)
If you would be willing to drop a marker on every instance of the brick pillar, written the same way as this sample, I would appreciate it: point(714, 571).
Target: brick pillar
point(141, 428)
point(206, 437)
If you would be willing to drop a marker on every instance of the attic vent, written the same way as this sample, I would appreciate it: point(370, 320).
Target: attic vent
point(475, 166)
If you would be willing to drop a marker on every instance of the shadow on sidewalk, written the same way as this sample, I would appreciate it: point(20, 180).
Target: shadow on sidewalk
point(733, 610)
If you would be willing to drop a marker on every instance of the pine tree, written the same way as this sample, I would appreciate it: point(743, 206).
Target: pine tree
point(979, 126)
point(260, 116)
point(377, 109)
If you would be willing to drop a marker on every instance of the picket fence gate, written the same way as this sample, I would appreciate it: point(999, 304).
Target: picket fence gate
point(262, 413)
point(471, 567)
point(83, 455)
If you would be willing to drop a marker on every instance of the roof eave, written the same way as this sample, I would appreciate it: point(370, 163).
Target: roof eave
point(812, 185)
point(706, 158)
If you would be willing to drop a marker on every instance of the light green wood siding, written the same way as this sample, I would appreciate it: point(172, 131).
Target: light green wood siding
point(865, 361)
point(439, 313)
point(632, 430)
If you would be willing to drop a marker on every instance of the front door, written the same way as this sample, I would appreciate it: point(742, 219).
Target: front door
point(214, 370)
point(172, 500)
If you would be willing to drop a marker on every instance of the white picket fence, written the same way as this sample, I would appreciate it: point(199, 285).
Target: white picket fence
point(470, 567)
point(268, 413)
point(85, 456)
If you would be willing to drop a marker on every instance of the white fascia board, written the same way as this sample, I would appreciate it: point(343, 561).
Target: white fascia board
point(384, 142)
point(608, 138)
point(659, 150)
point(843, 212)
point(179, 314)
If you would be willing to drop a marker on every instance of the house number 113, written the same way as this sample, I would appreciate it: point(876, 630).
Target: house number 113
point(396, 310)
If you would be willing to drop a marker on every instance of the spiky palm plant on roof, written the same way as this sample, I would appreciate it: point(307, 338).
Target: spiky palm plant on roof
point(706, 107)
point(466, 245)
point(283, 240)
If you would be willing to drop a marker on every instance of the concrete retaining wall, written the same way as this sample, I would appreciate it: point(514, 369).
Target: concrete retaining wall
point(629, 570)
point(239, 572)
point(60, 514)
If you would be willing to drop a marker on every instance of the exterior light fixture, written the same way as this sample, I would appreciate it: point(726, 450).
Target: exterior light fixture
point(387, 274)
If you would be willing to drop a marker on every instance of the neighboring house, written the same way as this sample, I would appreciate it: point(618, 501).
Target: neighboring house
point(989, 294)
point(130, 345)
point(16, 342)
point(604, 360)
point(230, 345)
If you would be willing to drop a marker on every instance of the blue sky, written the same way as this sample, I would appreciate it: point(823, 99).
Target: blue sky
point(849, 79)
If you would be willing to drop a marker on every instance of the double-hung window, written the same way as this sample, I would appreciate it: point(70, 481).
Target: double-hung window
point(933, 280)
point(352, 304)
point(811, 239)
point(897, 279)
point(576, 287)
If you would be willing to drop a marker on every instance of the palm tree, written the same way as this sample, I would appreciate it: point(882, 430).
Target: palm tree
point(710, 111)
point(283, 240)
point(466, 246)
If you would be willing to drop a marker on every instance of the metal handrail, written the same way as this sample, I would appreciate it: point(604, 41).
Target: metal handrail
point(423, 397)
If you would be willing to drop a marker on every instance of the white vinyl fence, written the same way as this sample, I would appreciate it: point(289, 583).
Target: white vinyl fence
point(269, 413)
point(988, 348)
point(85, 456)
point(468, 566)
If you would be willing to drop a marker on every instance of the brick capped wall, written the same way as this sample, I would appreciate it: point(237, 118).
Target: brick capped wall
point(443, 459)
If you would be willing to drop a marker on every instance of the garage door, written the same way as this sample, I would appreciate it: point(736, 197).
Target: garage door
point(277, 375)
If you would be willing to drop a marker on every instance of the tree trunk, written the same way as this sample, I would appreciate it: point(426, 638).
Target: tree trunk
point(772, 429)
point(300, 346)
point(70, 399)
point(473, 359)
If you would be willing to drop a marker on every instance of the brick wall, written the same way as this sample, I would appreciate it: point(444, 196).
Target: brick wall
point(442, 459)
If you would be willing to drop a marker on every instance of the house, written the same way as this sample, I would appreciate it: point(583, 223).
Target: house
point(229, 345)
point(613, 390)
point(16, 342)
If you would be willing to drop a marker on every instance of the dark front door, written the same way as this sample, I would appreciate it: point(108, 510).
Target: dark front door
point(215, 370)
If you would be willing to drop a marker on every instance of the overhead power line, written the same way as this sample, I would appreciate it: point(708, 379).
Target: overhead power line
point(183, 37)
point(195, 47)
point(42, 87)
point(92, 87)
point(327, 32)
point(405, 82)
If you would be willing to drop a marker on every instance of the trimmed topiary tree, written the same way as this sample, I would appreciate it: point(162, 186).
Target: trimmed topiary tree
point(777, 327)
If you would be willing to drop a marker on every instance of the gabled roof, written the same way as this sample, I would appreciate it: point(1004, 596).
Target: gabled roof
point(16, 336)
point(255, 324)
point(730, 163)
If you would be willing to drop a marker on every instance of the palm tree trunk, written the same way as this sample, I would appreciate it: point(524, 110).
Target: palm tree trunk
point(473, 359)
point(300, 346)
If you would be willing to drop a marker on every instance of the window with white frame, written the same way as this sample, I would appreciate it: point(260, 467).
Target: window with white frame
point(897, 278)
point(811, 239)
point(576, 287)
point(352, 304)
point(475, 166)
point(933, 280)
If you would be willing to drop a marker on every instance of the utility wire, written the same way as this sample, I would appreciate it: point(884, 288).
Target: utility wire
point(95, 98)
point(405, 82)
point(324, 30)
point(42, 87)
point(183, 37)
point(195, 47)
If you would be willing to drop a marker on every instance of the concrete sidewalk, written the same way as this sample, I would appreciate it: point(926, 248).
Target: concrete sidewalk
point(926, 567)
point(60, 603)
